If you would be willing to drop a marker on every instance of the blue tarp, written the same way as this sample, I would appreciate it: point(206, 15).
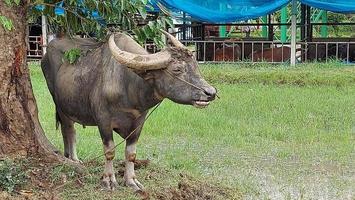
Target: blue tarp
point(219, 11)
point(222, 11)
point(341, 6)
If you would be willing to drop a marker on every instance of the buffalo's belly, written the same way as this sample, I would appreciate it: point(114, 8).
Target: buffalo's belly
point(77, 114)
point(72, 97)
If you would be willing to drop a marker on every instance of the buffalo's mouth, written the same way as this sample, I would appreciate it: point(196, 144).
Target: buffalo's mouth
point(201, 104)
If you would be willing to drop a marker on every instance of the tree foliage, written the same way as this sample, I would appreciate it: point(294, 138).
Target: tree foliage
point(97, 17)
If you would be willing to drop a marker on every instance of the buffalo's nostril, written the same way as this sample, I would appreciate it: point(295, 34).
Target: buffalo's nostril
point(210, 92)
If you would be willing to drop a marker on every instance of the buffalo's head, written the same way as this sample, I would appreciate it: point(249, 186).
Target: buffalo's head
point(173, 71)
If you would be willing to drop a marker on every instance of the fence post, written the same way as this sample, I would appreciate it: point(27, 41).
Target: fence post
point(293, 33)
point(264, 27)
point(324, 28)
point(283, 21)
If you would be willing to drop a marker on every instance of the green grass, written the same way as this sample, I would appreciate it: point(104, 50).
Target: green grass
point(263, 139)
point(313, 74)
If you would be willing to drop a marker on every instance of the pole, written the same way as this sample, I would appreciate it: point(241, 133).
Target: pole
point(303, 30)
point(270, 29)
point(293, 33)
point(324, 28)
point(222, 29)
point(264, 28)
point(283, 27)
point(44, 35)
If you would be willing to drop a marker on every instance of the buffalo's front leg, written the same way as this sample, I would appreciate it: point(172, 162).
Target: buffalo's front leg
point(108, 178)
point(130, 155)
point(129, 174)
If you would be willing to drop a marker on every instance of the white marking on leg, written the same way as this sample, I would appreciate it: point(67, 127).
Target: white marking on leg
point(72, 145)
point(129, 174)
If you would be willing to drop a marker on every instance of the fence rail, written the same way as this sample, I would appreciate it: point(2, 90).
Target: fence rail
point(247, 51)
point(267, 51)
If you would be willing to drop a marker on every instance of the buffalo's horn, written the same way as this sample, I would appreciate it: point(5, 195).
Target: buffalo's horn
point(173, 39)
point(137, 61)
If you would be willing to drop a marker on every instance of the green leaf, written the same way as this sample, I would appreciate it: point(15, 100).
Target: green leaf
point(6, 23)
point(17, 2)
point(169, 21)
point(72, 55)
point(8, 2)
point(143, 12)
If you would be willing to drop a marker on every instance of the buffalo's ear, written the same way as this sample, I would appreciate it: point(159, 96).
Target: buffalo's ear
point(149, 76)
point(146, 75)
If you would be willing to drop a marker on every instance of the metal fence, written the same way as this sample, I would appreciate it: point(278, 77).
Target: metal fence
point(239, 51)
point(326, 51)
point(267, 51)
point(35, 47)
point(247, 51)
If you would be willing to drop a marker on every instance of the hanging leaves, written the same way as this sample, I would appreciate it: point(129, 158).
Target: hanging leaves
point(96, 17)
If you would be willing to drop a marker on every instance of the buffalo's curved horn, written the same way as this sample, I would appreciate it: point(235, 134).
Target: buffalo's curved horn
point(173, 39)
point(137, 61)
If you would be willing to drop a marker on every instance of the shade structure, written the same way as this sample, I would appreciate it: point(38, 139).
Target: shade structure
point(224, 11)
point(341, 6)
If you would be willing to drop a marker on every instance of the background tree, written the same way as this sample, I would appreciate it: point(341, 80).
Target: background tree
point(20, 130)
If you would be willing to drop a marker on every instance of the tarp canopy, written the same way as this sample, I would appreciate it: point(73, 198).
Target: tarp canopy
point(224, 10)
point(219, 11)
point(341, 6)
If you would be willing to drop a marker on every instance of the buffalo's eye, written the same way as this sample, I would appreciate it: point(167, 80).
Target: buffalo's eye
point(177, 70)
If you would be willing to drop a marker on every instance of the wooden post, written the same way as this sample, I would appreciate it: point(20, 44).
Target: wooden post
point(293, 33)
point(44, 35)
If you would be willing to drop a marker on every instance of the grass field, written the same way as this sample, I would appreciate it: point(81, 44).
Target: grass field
point(275, 133)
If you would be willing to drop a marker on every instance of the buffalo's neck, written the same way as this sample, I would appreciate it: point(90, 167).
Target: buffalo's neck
point(143, 95)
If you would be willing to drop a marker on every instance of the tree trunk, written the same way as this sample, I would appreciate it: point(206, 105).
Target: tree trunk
point(20, 131)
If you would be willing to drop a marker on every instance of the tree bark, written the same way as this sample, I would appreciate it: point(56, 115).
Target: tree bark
point(20, 131)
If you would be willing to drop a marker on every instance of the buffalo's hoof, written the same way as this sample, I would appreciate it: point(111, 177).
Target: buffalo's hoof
point(109, 182)
point(134, 184)
point(74, 159)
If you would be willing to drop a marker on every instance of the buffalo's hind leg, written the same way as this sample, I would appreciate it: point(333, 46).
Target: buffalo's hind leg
point(108, 177)
point(69, 137)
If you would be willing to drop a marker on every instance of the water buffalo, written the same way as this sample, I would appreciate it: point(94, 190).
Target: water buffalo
point(322, 52)
point(276, 54)
point(220, 51)
point(113, 85)
point(225, 53)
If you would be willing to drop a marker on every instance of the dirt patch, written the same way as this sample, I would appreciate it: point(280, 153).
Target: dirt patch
point(189, 188)
point(48, 181)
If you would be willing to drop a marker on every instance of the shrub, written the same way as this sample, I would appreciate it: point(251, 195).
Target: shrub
point(11, 175)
